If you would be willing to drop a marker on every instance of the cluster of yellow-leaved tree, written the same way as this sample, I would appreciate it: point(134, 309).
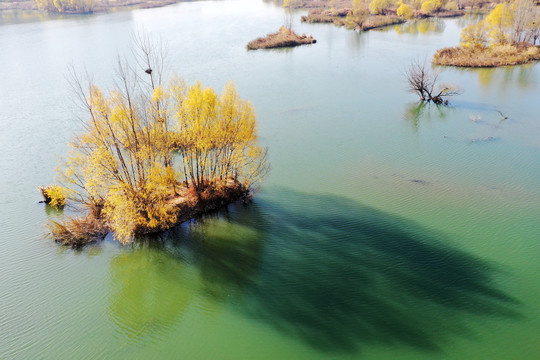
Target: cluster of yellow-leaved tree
point(361, 9)
point(514, 23)
point(146, 141)
point(384, 7)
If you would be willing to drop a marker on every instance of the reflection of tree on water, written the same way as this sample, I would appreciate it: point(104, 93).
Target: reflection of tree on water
point(275, 2)
point(502, 78)
point(356, 40)
point(418, 112)
point(427, 26)
point(149, 292)
point(154, 283)
point(327, 270)
point(468, 19)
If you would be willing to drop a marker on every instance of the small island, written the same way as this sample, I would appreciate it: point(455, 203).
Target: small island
point(153, 154)
point(492, 56)
point(507, 36)
point(285, 37)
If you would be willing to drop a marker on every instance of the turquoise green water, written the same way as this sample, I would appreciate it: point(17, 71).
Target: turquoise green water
point(385, 230)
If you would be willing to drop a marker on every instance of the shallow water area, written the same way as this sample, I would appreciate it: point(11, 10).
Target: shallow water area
point(385, 230)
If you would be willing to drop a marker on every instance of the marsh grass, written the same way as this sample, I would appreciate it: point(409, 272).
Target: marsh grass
point(493, 56)
point(379, 21)
point(321, 16)
point(78, 231)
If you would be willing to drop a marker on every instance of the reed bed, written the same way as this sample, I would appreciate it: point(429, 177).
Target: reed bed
point(379, 21)
point(493, 56)
point(79, 231)
point(283, 38)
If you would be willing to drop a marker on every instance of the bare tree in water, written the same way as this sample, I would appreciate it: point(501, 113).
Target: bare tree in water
point(424, 82)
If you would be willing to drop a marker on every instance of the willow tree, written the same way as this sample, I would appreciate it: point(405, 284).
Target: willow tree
point(145, 143)
point(515, 23)
point(216, 138)
point(121, 163)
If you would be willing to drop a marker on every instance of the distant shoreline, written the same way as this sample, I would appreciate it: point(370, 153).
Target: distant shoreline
point(100, 6)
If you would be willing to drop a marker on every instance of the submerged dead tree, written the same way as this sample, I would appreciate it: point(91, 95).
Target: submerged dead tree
point(424, 82)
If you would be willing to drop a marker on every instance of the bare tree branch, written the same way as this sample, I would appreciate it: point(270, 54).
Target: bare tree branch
point(423, 82)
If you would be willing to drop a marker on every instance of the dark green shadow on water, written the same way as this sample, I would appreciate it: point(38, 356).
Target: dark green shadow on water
point(327, 270)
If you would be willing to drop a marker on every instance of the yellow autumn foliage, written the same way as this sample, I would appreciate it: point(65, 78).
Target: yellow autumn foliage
point(377, 7)
point(216, 136)
point(292, 4)
point(405, 11)
point(428, 6)
point(497, 22)
point(475, 36)
point(146, 144)
point(514, 23)
point(507, 36)
point(358, 13)
point(54, 195)
point(452, 6)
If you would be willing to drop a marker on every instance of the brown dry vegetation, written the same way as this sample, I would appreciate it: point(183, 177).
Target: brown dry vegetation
point(487, 57)
point(192, 204)
point(378, 21)
point(448, 13)
point(322, 16)
point(283, 38)
point(78, 232)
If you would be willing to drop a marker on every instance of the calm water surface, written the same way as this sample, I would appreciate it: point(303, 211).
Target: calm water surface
point(386, 230)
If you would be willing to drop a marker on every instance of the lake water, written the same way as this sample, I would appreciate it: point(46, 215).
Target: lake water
point(385, 230)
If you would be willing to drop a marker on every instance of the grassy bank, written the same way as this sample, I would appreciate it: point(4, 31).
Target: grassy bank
point(493, 56)
point(283, 38)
